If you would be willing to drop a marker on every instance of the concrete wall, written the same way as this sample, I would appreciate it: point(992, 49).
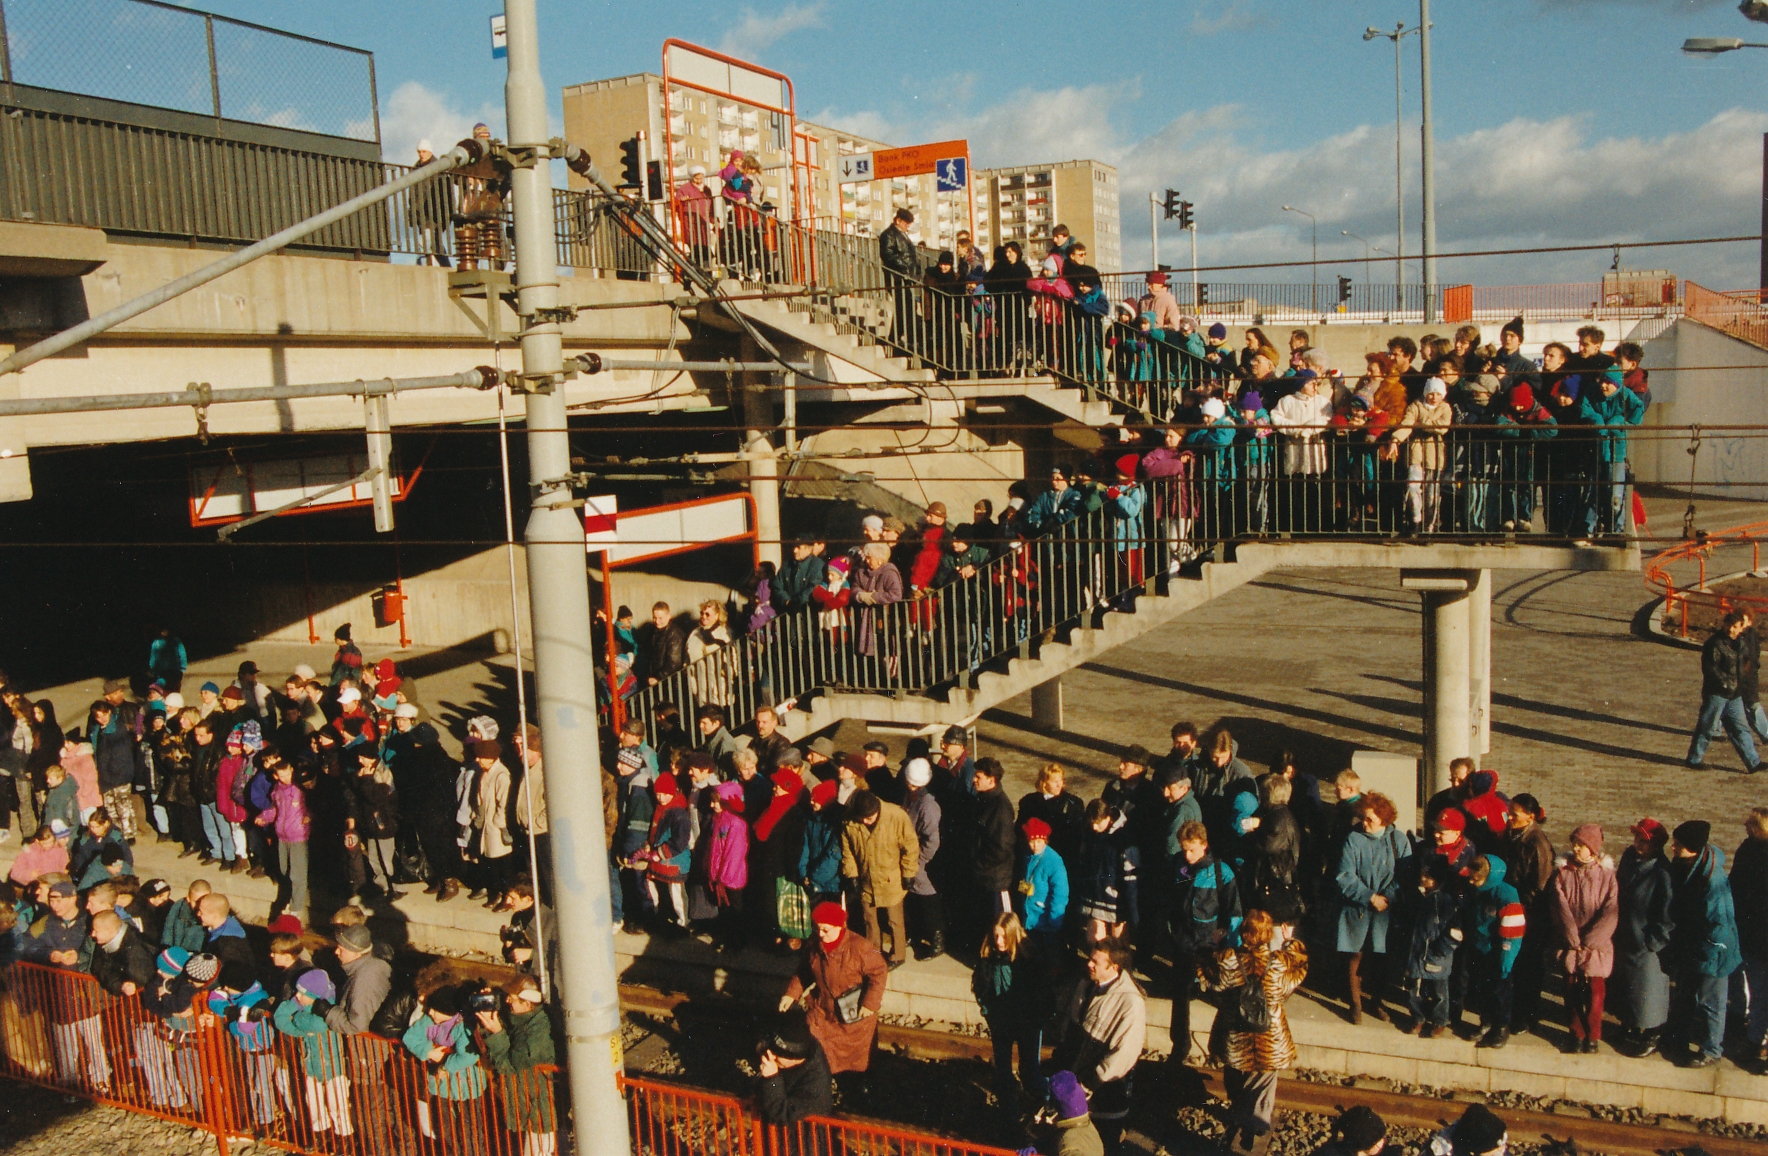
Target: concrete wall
point(1702, 376)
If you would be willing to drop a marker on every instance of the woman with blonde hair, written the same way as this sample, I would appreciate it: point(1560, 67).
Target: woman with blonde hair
point(1010, 984)
point(1060, 808)
point(1262, 973)
point(711, 682)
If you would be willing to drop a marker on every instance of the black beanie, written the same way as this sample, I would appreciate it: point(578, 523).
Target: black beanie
point(1359, 1129)
point(1694, 834)
point(1478, 1131)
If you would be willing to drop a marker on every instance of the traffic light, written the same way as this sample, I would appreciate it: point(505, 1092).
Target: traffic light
point(1186, 220)
point(1344, 289)
point(653, 180)
point(1170, 206)
point(630, 169)
point(1203, 293)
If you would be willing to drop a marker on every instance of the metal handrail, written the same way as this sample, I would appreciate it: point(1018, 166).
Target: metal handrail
point(1678, 597)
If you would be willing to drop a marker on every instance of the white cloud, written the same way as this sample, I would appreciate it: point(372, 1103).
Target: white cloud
point(1234, 16)
point(415, 112)
point(756, 33)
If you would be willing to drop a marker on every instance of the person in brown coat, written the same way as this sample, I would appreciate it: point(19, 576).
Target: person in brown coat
point(846, 976)
point(880, 854)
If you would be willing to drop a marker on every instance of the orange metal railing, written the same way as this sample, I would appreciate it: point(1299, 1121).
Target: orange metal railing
point(1678, 595)
point(1742, 314)
point(363, 1095)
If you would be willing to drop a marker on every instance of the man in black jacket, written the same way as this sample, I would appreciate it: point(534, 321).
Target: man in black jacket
point(903, 264)
point(993, 842)
point(122, 962)
point(1722, 671)
point(792, 1079)
point(662, 645)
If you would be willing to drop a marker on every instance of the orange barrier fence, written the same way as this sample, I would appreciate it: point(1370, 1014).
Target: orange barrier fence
point(247, 1080)
point(1742, 315)
point(1679, 594)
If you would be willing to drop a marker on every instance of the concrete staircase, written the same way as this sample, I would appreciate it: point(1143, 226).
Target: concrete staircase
point(1182, 593)
point(851, 329)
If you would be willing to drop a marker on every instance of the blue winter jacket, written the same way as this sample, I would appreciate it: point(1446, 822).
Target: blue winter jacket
point(1126, 515)
point(1704, 940)
point(1614, 414)
point(1494, 918)
point(1047, 902)
point(820, 860)
point(1435, 919)
point(1368, 866)
point(1051, 509)
point(1206, 904)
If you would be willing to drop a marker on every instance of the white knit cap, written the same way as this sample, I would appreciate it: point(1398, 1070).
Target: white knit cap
point(1213, 407)
point(482, 726)
point(918, 773)
point(405, 710)
point(1436, 385)
point(873, 522)
point(304, 672)
point(174, 703)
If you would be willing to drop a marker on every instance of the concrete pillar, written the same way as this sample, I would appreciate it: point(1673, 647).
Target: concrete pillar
point(1448, 727)
point(1479, 627)
point(764, 467)
point(1046, 704)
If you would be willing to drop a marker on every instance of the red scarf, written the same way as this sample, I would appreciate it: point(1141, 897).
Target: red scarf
point(776, 810)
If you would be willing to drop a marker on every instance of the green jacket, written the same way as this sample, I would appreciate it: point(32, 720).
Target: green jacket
point(797, 579)
point(525, 1044)
point(322, 1050)
point(951, 563)
point(183, 929)
point(458, 1076)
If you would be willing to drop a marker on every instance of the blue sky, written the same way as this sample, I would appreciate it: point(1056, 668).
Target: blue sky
point(1557, 121)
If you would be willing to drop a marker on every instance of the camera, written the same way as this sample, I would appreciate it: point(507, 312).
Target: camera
point(482, 1001)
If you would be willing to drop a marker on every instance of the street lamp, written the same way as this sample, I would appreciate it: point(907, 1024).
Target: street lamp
point(1400, 32)
point(1365, 240)
point(1314, 276)
point(1714, 45)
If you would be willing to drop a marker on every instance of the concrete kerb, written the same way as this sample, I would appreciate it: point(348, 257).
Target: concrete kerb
point(1673, 636)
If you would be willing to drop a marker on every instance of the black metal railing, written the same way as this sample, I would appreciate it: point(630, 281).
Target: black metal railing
point(1103, 545)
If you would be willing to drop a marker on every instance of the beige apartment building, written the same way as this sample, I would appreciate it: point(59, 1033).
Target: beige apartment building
point(1026, 202)
point(1021, 204)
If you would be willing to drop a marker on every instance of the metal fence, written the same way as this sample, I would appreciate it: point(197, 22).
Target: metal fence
point(246, 1079)
point(1070, 559)
point(167, 56)
point(1742, 315)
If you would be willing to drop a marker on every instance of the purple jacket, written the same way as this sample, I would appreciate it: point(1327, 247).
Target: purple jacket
point(728, 864)
point(288, 813)
point(1586, 908)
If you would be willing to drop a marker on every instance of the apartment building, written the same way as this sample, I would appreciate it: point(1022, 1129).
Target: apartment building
point(703, 128)
point(1026, 202)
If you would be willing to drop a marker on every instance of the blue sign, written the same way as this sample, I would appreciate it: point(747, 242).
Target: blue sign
point(952, 175)
point(499, 39)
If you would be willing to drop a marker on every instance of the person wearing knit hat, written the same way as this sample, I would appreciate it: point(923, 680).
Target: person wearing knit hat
point(1477, 1133)
point(880, 858)
point(923, 909)
point(1524, 419)
point(819, 864)
point(202, 968)
point(1042, 887)
point(170, 962)
point(846, 977)
point(792, 1073)
point(317, 985)
point(669, 850)
point(1585, 903)
point(1069, 1128)
point(1421, 429)
point(1703, 949)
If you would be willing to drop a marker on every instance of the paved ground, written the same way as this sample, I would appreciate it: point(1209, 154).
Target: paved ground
point(1590, 713)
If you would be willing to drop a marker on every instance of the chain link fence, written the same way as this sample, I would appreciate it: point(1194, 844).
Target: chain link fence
point(148, 53)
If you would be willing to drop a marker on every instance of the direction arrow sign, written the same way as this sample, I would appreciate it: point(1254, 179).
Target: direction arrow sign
point(853, 167)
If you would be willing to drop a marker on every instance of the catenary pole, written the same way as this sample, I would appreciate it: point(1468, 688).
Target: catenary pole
point(558, 598)
point(1154, 230)
point(1427, 167)
point(1399, 176)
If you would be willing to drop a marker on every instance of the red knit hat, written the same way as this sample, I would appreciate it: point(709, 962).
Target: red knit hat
point(1652, 830)
point(1036, 829)
point(1451, 819)
point(284, 924)
point(1126, 465)
point(1523, 396)
point(824, 793)
point(829, 914)
point(788, 780)
point(665, 785)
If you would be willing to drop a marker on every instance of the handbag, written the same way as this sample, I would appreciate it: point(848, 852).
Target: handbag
point(847, 1008)
point(792, 910)
point(1251, 1012)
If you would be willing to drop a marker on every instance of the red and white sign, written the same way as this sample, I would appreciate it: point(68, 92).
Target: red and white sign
point(639, 535)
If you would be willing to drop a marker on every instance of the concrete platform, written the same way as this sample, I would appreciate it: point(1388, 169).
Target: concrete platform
point(937, 992)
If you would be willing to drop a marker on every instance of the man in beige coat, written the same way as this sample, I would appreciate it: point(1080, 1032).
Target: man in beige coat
point(880, 855)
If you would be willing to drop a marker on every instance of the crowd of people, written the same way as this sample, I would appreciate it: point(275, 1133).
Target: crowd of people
point(1188, 875)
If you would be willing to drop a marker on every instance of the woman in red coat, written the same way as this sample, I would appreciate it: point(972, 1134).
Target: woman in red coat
point(846, 976)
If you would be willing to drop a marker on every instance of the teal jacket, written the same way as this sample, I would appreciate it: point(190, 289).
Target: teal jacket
point(1612, 415)
point(183, 929)
point(322, 1050)
point(1211, 440)
point(1495, 918)
point(458, 1076)
point(1047, 902)
point(1125, 511)
point(1256, 441)
point(1704, 939)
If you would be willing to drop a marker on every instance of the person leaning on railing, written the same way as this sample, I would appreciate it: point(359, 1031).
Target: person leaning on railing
point(516, 1047)
point(792, 1078)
